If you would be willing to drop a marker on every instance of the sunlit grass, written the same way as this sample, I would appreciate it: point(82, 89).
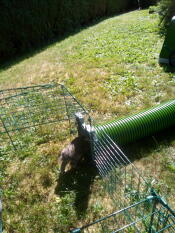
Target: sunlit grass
point(112, 68)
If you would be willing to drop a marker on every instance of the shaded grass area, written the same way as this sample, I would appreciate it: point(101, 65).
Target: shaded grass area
point(80, 181)
point(112, 68)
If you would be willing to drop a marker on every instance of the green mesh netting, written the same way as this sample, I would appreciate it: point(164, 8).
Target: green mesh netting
point(139, 208)
point(23, 110)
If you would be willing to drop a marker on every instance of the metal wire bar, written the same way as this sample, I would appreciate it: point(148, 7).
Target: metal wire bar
point(114, 149)
point(108, 157)
point(133, 223)
point(29, 107)
point(117, 212)
point(8, 133)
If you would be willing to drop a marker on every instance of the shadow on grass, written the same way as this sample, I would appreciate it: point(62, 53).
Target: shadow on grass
point(45, 45)
point(168, 68)
point(51, 41)
point(143, 147)
point(80, 181)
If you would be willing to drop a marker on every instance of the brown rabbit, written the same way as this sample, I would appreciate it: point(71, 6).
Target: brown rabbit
point(74, 152)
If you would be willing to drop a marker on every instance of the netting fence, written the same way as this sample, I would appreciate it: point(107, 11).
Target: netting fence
point(135, 205)
point(139, 207)
point(24, 110)
point(148, 215)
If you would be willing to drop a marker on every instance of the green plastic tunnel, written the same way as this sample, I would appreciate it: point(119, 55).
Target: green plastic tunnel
point(143, 124)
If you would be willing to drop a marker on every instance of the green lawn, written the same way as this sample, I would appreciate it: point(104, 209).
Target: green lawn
point(112, 68)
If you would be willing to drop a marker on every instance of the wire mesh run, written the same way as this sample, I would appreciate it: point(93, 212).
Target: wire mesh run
point(121, 178)
point(139, 208)
point(27, 108)
point(148, 215)
point(24, 111)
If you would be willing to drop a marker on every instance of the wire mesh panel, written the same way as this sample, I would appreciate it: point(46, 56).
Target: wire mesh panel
point(139, 208)
point(121, 178)
point(31, 107)
point(29, 110)
point(148, 215)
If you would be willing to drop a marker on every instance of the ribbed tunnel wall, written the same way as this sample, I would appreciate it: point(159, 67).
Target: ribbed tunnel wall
point(137, 126)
